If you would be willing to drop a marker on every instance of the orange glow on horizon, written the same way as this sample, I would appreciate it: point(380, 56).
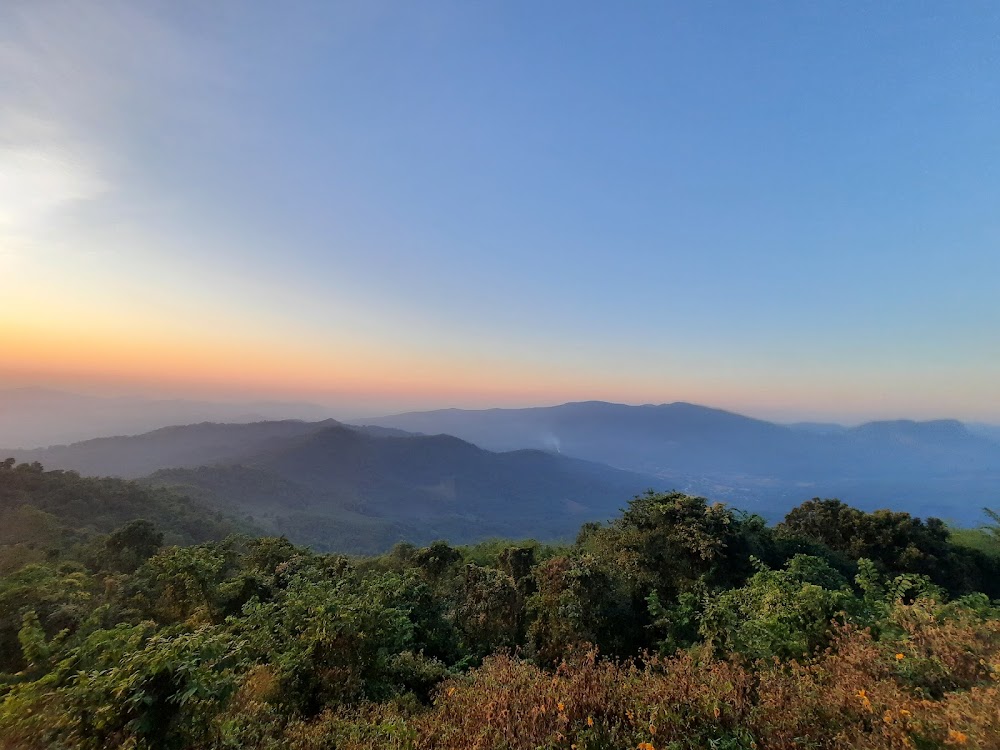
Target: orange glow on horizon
point(91, 358)
point(132, 357)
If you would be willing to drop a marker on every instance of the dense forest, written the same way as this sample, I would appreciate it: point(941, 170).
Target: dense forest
point(134, 617)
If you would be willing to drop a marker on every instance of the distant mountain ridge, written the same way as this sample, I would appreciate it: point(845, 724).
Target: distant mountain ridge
point(690, 438)
point(939, 465)
point(989, 431)
point(35, 417)
point(452, 471)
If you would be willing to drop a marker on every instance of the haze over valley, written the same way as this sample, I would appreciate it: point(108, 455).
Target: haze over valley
point(541, 472)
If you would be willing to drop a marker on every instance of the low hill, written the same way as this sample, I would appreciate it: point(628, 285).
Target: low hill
point(339, 488)
point(360, 489)
point(44, 512)
point(134, 456)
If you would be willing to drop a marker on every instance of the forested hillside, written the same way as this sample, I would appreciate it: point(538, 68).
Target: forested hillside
point(679, 624)
point(341, 488)
point(49, 515)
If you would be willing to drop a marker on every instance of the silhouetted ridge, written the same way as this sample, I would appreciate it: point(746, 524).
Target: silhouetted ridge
point(751, 462)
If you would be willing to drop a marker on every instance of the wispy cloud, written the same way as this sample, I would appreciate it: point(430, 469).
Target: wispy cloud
point(36, 182)
point(72, 75)
point(41, 177)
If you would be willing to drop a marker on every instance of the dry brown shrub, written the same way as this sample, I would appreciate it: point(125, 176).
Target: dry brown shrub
point(948, 654)
point(862, 692)
point(859, 693)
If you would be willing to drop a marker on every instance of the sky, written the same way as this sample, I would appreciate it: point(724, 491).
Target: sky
point(791, 210)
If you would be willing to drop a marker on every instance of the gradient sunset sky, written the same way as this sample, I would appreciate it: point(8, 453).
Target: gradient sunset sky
point(786, 209)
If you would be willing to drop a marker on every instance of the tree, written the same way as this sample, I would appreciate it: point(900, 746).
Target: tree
point(785, 613)
point(489, 609)
point(130, 546)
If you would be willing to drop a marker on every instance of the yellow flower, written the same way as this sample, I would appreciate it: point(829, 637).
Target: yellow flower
point(956, 738)
point(561, 706)
point(590, 721)
point(646, 746)
point(900, 657)
point(903, 712)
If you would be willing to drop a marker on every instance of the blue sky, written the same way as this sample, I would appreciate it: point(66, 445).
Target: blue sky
point(789, 209)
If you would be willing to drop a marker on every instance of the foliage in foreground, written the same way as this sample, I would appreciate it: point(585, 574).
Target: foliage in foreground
point(679, 625)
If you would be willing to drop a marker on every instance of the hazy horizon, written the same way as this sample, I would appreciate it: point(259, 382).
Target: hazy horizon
point(787, 211)
point(305, 408)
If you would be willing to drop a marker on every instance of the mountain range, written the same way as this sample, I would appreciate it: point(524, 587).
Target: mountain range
point(939, 467)
point(468, 474)
point(359, 489)
point(686, 438)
